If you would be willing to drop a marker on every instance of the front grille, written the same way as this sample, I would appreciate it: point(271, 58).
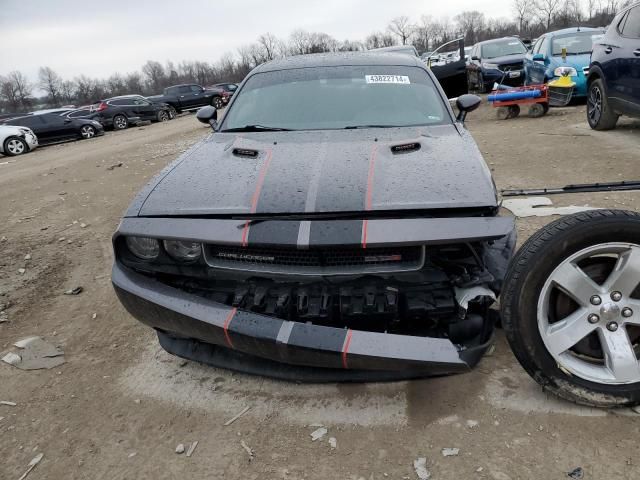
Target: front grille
point(511, 66)
point(330, 261)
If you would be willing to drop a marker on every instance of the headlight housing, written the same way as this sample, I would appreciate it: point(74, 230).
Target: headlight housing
point(565, 72)
point(183, 251)
point(490, 66)
point(144, 248)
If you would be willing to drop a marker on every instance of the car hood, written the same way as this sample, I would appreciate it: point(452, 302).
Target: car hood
point(322, 171)
point(518, 57)
point(576, 61)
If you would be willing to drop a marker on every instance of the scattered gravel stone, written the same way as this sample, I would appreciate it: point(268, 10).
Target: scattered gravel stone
point(333, 442)
point(576, 473)
point(74, 291)
point(27, 256)
point(472, 423)
point(22, 271)
point(319, 433)
point(420, 466)
point(450, 452)
point(180, 448)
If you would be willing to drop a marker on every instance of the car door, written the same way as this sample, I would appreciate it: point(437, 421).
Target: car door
point(144, 109)
point(474, 64)
point(536, 63)
point(626, 86)
point(185, 96)
point(197, 96)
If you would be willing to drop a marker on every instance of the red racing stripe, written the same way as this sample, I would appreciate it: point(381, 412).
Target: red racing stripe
point(345, 349)
point(232, 313)
point(256, 195)
point(364, 233)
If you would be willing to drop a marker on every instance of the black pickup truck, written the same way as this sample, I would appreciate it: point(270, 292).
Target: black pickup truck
point(191, 96)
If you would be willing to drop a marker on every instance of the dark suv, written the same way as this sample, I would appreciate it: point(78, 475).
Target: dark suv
point(614, 73)
point(499, 60)
point(120, 112)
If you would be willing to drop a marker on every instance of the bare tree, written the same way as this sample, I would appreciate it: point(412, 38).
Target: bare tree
point(133, 81)
point(67, 89)
point(548, 9)
point(379, 40)
point(50, 82)
point(155, 75)
point(401, 26)
point(270, 46)
point(15, 91)
point(523, 10)
point(470, 24)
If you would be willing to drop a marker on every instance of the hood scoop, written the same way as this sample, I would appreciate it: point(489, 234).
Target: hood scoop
point(405, 148)
point(245, 152)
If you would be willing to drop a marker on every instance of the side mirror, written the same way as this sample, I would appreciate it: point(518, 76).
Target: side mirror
point(475, 57)
point(538, 57)
point(208, 115)
point(466, 103)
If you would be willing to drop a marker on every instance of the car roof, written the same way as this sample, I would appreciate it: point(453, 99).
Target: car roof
point(573, 30)
point(496, 40)
point(340, 60)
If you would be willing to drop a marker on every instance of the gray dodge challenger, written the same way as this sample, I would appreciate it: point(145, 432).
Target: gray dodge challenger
point(339, 223)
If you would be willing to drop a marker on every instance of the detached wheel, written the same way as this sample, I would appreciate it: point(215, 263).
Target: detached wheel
point(599, 113)
point(87, 131)
point(217, 102)
point(120, 122)
point(571, 307)
point(14, 146)
point(163, 116)
point(537, 110)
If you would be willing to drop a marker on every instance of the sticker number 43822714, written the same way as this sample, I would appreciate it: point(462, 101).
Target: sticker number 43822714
point(399, 79)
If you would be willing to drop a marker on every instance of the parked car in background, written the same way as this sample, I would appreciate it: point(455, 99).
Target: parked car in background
point(191, 96)
point(228, 89)
point(613, 83)
point(561, 52)
point(55, 127)
point(16, 140)
point(498, 60)
point(120, 112)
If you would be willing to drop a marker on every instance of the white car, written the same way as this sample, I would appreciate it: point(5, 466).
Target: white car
point(16, 140)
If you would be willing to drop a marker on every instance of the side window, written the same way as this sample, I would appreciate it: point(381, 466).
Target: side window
point(195, 89)
point(233, 87)
point(119, 103)
point(544, 46)
point(631, 26)
point(184, 89)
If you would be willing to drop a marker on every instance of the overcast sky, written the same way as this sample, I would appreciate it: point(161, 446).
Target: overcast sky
point(98, 38)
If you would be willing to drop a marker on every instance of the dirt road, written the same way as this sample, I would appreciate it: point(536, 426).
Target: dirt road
point(120, 405)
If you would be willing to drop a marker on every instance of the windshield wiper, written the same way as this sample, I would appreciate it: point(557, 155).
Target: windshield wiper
point(355, 127)
point(256, 128)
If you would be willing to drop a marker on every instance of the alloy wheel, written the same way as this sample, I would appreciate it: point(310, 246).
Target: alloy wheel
point(217, 102)
point(15, 147)
point(590, 323)
point(594, 104)
point(87, 131)
point(120, 122)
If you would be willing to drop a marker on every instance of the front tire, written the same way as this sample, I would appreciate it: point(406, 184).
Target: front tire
point(163, 116)
point(14, 146)
point(217, 103)
point(120, 122)
point(599, 113)
point(571, 307)
point(87, 131)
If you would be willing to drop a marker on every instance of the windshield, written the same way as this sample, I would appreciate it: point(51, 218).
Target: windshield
point(576, 44)
point(340, 97)
point(502, 49)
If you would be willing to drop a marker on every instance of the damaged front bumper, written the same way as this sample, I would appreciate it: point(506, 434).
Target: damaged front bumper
point(238, 335)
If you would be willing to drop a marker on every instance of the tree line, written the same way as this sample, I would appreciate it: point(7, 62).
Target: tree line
point(530, 19)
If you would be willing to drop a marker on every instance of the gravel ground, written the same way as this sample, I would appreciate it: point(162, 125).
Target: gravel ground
point(119, 406)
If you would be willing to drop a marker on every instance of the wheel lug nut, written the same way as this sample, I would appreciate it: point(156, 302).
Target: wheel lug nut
point(627, 312)
point(616, 296)
point(596, 300)
point(593, 318)
point(612, 326)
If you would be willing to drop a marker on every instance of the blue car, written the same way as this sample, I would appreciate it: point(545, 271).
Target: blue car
point(561, 52)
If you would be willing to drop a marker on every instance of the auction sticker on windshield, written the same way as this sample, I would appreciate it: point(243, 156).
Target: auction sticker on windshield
point(400, 79)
